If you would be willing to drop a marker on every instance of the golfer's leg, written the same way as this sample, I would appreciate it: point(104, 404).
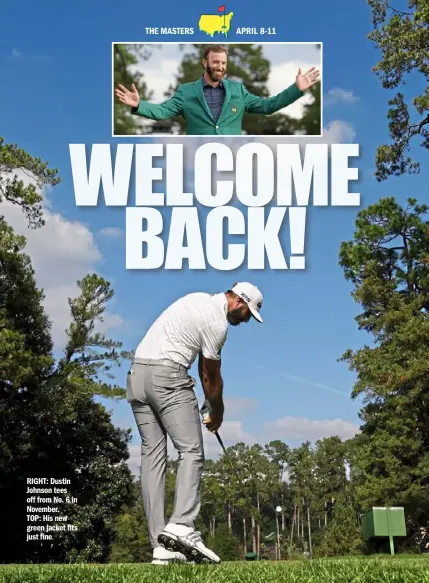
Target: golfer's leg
point(178, 410)
point(183, 425)
point(153, 458)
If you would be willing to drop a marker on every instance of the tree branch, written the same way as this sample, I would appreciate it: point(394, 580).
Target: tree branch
point(398, 11)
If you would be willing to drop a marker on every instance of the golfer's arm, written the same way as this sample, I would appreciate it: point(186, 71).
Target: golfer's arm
point(268, 105)
point(211, 380)
point(159, 111)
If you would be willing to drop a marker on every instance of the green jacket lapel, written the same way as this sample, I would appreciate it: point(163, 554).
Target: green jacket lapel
point(198, 88)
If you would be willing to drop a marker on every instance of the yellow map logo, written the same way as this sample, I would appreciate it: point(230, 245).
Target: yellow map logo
point(213, 24)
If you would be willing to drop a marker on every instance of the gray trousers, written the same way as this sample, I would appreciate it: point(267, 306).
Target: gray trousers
point(163, 402)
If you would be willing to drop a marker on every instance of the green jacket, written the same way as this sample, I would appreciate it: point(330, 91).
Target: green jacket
point(189, 101)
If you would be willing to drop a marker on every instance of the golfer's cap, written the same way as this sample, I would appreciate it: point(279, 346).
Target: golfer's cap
point(252, 296)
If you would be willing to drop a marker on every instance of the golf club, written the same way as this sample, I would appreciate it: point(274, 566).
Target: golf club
point(228, 457)
point(205, 411)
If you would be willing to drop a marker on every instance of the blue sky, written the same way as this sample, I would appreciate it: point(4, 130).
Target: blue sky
point(282, 378)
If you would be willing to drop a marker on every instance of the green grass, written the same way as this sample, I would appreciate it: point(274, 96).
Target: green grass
point(386, 569)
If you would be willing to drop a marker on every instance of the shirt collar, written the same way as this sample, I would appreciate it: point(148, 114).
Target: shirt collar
point(205, 84)
point(221, 301)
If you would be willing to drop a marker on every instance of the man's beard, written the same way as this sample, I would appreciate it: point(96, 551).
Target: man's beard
point(235, 316)
point(213, 75)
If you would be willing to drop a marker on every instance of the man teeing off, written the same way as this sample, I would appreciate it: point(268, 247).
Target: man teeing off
point(161, 394)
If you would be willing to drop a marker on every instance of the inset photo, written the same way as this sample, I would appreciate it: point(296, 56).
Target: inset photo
point(248, 89)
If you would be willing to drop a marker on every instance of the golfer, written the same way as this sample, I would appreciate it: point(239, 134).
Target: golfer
point(213, 105)
point(161, 394)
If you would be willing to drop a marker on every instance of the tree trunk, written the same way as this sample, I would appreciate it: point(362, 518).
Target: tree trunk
point(214, 526)
point(253, 535)
point(302, 521)
point(283, 514)
point(258, 529)
point(244, 536)
point(278, 537)
point(229, 518)
point(258, 540)
point(298, 530)
point(293, 524)
point(309, 531)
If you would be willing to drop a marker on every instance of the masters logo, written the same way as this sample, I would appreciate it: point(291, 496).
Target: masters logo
point(219, 23)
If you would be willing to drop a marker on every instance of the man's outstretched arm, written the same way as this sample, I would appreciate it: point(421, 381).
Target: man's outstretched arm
point(269, 105)
point(153, 111)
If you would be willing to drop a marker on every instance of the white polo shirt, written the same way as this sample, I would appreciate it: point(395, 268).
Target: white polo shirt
point(195, 323)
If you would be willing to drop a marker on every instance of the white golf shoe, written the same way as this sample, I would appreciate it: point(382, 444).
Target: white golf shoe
point(162, 556)
point(186, 540)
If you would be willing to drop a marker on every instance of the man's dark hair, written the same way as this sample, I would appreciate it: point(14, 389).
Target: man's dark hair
point(230, 292)
point(214, 49)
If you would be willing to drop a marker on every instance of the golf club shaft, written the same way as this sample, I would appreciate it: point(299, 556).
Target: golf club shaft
point(205, 411)
point(228, 458)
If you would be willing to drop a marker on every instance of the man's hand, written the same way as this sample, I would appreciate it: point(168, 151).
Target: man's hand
point(130, 98)
point(306, 80)
point(214, 420)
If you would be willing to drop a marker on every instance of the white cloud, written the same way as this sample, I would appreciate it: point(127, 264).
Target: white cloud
point(336, 132)
point(135, 458)
point(231, 432)
point(16, 53)
point(159, 74)
point(237, 405)
point(62, 251)
point(283, 75)
point(109, 322)
point(111, 232)
point(338, 95)
point(300, 429)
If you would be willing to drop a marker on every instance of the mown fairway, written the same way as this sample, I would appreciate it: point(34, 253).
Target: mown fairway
point(414, 569)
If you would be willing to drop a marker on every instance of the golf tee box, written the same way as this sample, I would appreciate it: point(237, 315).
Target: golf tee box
point(383, 521)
